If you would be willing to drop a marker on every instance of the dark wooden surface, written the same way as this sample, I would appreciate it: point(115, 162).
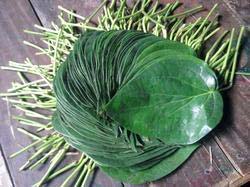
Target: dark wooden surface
point(230, 142)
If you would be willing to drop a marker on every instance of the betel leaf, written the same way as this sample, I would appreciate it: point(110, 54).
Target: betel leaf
point(107, 74)
point(85, 81)
point(174, 99)
point(158, 171)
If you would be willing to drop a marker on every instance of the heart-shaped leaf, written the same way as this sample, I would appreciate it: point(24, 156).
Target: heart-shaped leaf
point(175, 99)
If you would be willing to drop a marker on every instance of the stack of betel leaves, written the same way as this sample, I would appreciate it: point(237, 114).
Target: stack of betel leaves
point(133, 93)
point(137, 104)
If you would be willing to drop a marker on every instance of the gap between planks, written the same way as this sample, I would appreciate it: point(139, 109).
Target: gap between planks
point(5, 171)
point(230, 159)
point(227, 155)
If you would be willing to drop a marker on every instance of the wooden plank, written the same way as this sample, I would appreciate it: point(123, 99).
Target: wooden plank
point(5, 180)
point(223, 168)
point(48, 10)
point(232, 135)
point(100, 179)
point(197, 170)
point(187, 175)
point(240, 10)
point(14, 17)
point(219, 159)
point(237, 126)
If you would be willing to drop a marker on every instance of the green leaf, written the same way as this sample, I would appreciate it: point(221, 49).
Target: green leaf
point(158, 171)
point(174, 99)
point(100, 67)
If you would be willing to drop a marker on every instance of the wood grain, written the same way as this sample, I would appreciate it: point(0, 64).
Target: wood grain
point(47, 10)
point(232, 135)
point(14, 17)
point(229, 143)
point(5, 180)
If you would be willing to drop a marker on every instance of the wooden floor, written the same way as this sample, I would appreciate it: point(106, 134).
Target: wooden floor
point(229, 143)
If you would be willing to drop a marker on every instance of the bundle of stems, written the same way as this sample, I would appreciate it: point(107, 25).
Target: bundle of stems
point(36, 98)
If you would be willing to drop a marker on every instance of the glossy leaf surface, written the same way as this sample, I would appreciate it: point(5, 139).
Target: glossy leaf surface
point(175, 99)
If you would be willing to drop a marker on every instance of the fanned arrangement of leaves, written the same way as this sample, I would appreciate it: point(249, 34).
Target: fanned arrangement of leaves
point(132, 93)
